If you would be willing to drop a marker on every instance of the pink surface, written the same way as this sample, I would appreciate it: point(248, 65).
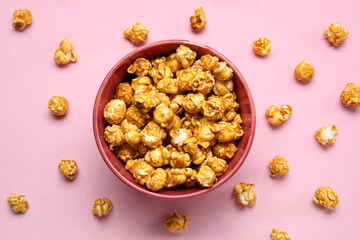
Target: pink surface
point(33, 141)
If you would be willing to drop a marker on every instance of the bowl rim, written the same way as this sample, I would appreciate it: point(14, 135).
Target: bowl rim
point(135, 186)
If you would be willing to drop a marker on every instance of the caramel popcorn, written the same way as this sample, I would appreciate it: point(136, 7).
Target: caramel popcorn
point(209, 62)
point(224, 150)
point(22, 18)
point(68, 168)
point(152, 135)
point(125, 93)
point(304, 71)
point(102, 207)
point(351, 95)
point(203, 134)
point(158, 157)
point(218, 165)
point(185, 79)
point(335, 34)
point(213, 108)
point(245, 194)
point(179, 136)
point(176, 223)
point(145, 102)
point(125, 152)
point(114, 111)
point(177, 176)
point(175, 124)
point(140, 67)
point(114, 136)
point(140, 170)
point(222, 72)
point(134, 116)
point(278, 166)
point(193, 102)
point(228, 132)
point(185, 56)
point(262, 46)
point(326, 197)
point(222, 88)
point(58, 105)
point(176, 104)
point(163, 116)
point(156, 180)
point(17, 202)
point(206, 176)
point(65, 53)
point(160, 70)
point(203, 82)
point(132, 134)
point(179, 160)
point(198, 20)
point(276, 116)
point(326, 135)
point(168, 85)
point(172, 63)
point(137, 33)
point(142, 85)
point(277, 234)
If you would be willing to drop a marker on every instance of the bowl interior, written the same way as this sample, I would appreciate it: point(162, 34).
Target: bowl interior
point(119, 74)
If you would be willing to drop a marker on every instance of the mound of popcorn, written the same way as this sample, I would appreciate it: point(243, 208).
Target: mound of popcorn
point(326, 197)
point(176, 123)
point(326, 135)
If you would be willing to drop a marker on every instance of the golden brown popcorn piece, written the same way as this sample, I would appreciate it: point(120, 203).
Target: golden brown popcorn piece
point(198, 20)
point(175, 124)
point(125, 93)
point(206, 176)
point(65, 53)
point(156, 180)
point(102, 207)
point(262, 46)
point(326, 135)
point(158, 157)
point(209, 62)
point(203, 82)
point(145, 101)
point(163, 116)
point(245, 194)
point(142, 149)
point(222, 72)
point(197, 66)
point(125, 152)
point(176, 223)
point(218, 165)
point(335, 34)
point(304, 71)
point(168, 85)
point(17, 202)
point(179, 160)
point(22, 18)
point(142, 85)
point(68, 168)
point(185, 56)
point(140, 67)
point(191, 178)
point(139, 169)
point(58, 105)
point(114, 136)
point(278, 166)
point(178, 176)
point(172, 63)
point(193, 102)
point(326, 197)
point(137, 33)
point(351, 95)
point(222, 88)
point(179, 136)
point(185, 79)
point(114, 111)
point(132, 134)
point(224, 150)
point(276, 115)
point(152, 135)
point(214, 108)
point(160, 70)
point(134, 116)
point(277, 234)
point(203, 134)
point(176, 104)
point(229, 132)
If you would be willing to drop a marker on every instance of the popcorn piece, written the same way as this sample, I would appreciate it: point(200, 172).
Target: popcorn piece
point(172, 63)
point(178, 176)
point(22, 18)
point(114, 136)
point(137, 33)
point(218, 165)
point(326, 135)
point(214, 108)
point(114, 111)
point(198, 20)
point(203, 134)
point(142, 85)
point(185, 79)
point(125, 93)
point(134, 116)
point(142, 149)
point(125, 152)
point(102, 207)
point(304, 71)
point(160, 70)
point(209, 62)
point(197, 66)
point(58, 105)
point(277, 234)
point(163, 98)
point(176, 104)
point(163, 116)
point(326, 197)
point(156, 180)
point(179, 136)
point(168, 85)
point(262, 46)
point(193, 102)
point(174, 125)
point(203, 82)
point(206, 176)
point(335, 34)
point(152, 135)
point(222, 72)
point(145, 101)
point(65, 53)
point(132, 134)
point(245, 194)
point(139, 169)
point(224, 150)
point(17, 202)
point(68, 168)
point(276, 116)
point(228, 132)
point(351, 95)
point(179, 160)
point(222, 88)
point(278, 166)
point(185, 56)
point(191, 178)
point(158, 157)
point(140, 67)
point(176, 223)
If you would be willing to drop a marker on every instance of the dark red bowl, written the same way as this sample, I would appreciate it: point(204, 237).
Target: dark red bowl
point(118, 74)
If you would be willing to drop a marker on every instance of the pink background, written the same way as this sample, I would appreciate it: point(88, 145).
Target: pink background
point(33, 142)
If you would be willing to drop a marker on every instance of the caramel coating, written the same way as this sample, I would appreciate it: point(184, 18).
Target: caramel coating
point(245, 194)
point(145, 101)
point(176, 223)
point(125, 152)
point(176, 104)
point(185, 80)
point(68, 168)
point(222, 88)
point(125, 93)
point(222, 72)
point(203, 133)
point(137, 33)
point(225, 150)
point(102, 207)
point(351, 95)
point(193, 102)
point(277, 234)
point(134, 116)
point(22, 18)
point(229, 132)
point(158, 156)
point(172, 63)
point(168, 85)
point(326, 135)
point(178, 176)
point(304, 71)
point(142, 85)
point(185, 56)
point(179, 136)
point(114, 136)
point(114, 111)
point(58, 105)
point(277, 116)
point(179, 159)
point(198, 20)
point(326, 197)
point(261, 46)
point(336, 34)
point(163, 116)
point(206, 176)
point(218, 165)
point(209, 62)
point(17, 202)
point(152, 135)
point(278, 166)
point(214, 108)
point(156, 180)
point(132, 134)
point(160, 70)
point(65, 53)
point(140, 170)
point(140, 67)
point(203, 82)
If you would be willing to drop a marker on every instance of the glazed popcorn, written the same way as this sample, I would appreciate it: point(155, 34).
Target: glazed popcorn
point(158, 157)
point(102, 207)
point(114, 111)
point(185, 80)
point(193, 102)
point(152, 135)
point(326, 197)
point(224, 150)
point(132, 134)
point(179, 136)
point(326, 135)
point(214, 108)
point(179, 159)
point(185, 56)
point(206, 176)
point(335, 34)
point(139, 169)
point(163, 116)
point(159, 70)
point(176, 223)
point(168, 85)
point(176, 104)
point(58, 105)
point(22, 18)
point(125, 152)
point(17, 202)
point(262, 46)
point(245, 194)
point(203, 82)
point(218, 165)
point(277, 234)
point(351, 95)
point(222, 88)
point(304, 71)
point(172, 63)
point(134, 116)
point(68, 168)
point(65, 53)
point(222, 72)
point(198, 20)
point(140, 67)
point(156, 180)
point(277, 116)
point(229, 132)
point(137, 33)
point(142, 85)
point(209, 62)
point(125, 93)
point(178, 176)
point(114, 136)
point(278, 166)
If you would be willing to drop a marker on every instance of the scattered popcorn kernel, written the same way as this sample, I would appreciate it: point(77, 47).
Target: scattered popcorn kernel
point(262, 46)
point(214, 108)
point(276, 116)
point(351, 95)
point(335, 34)
point(137, 33)
point(17, 202)
point(218, 165)
point(203, 82)
point(142, 85)
point(68, 168)
point(152, 135)
point(114, 111)
point(304, 71)
point(176, 104)
point(58, 105)
point(225, 150)
point(209, 62)
point(140, 67)
point(277, 234)
point(198, 20)
point(193, 102)
point(114, 136)
point(22, 18)
point(134, 116)
point(156, 180)
point(139, 169)
point(168, 85)
point(125, 93)
point(206, 176)
point(163, 116)
point(245, 194)
point(172, 63)
point(326, 197)
point(185, 56)
point(102, 207)
point(326, 135)
point(65, 53)
point(176, 223)
point(158, 157)
point(222, 72)
point(278, 166)
point(185, 79)
point(125, 152)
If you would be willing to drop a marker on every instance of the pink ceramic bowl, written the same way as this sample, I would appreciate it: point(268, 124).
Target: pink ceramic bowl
point(118, 74)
